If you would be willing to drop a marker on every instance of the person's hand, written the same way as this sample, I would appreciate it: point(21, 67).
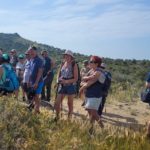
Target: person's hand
point(28, 84)
point(85, 78)
point(63, 81)
point(48, 73)
point(35, 85)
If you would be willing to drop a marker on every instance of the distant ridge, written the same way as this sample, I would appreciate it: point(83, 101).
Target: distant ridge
point(15, 41)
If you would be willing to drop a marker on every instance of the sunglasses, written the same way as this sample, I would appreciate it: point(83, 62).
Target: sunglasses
point(93, 62)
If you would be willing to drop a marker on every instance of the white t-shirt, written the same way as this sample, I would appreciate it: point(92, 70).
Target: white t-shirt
point(27, 72)
point(20, 69)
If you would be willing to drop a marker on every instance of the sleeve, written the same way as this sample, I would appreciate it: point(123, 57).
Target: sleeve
point(40, 64)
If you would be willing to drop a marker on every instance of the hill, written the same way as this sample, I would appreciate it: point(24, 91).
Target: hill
point(15, 41)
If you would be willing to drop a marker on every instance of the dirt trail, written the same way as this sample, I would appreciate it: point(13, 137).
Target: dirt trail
point(133, 114)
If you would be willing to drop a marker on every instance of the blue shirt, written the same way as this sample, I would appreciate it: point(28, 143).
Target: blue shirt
point(36, 64)
point(94, 91)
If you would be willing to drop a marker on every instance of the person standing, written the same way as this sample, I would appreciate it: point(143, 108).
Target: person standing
point(67, 78)
point(13, 58)
point(85, 69)
point(36, 76)
point(19, 71)
point(48, 76)
point(147, 84)
point(93, 92)
point(1, 52)
point(26, 74)
point(8, 78)
point(84, 72)
point(106, 87)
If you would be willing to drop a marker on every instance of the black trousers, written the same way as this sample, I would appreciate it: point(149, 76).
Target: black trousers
point(101, 106)
point(46, 91)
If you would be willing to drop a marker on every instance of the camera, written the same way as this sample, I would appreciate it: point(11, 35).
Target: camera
point(31, 93)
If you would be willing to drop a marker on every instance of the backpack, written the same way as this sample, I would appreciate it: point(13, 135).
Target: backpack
point(10, 82)
point(145, 95)
point(107, 83)
point(79, 78)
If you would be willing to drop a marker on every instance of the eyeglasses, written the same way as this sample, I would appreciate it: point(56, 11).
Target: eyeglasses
point(93, 62)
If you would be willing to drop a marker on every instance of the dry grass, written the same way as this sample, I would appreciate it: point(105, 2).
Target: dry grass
point(21, 129)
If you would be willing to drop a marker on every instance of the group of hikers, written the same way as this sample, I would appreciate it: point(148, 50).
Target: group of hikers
point(29, 72)
point(34, 73)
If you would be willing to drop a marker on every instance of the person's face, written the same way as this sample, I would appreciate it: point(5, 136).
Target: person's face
point(32, 53)
point(12, 53)
point(27, 56)
point(44, 54)
point(21, 60)
point(93, 63)
point(86, 65)
point(68, 58)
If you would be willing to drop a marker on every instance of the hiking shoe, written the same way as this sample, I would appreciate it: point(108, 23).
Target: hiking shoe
point(101, 124)
point(56, 119)
point(91, 131)
point(83, 104)
point(23, 98)
point(30, 106)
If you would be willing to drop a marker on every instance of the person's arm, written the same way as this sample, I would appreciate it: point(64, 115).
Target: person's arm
point(52, 66)
point(1, 72)
point(93, 76)
point(82, 72)
point(147, 84)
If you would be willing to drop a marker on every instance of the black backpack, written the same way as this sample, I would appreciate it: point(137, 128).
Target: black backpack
point(79, 78)
point(107, 83)
point(145, 95)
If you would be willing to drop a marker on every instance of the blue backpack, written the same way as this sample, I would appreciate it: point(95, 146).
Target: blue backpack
point(107, 83)
point(10, 82)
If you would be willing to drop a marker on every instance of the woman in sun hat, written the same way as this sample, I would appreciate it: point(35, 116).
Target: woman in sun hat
point(67, 78)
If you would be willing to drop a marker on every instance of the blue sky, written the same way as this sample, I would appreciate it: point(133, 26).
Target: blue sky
point(108, 28)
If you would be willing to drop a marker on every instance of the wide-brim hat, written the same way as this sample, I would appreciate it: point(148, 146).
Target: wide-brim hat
point(68, 52)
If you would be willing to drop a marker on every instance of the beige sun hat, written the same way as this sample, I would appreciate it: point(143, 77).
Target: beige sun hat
point(68, 52)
